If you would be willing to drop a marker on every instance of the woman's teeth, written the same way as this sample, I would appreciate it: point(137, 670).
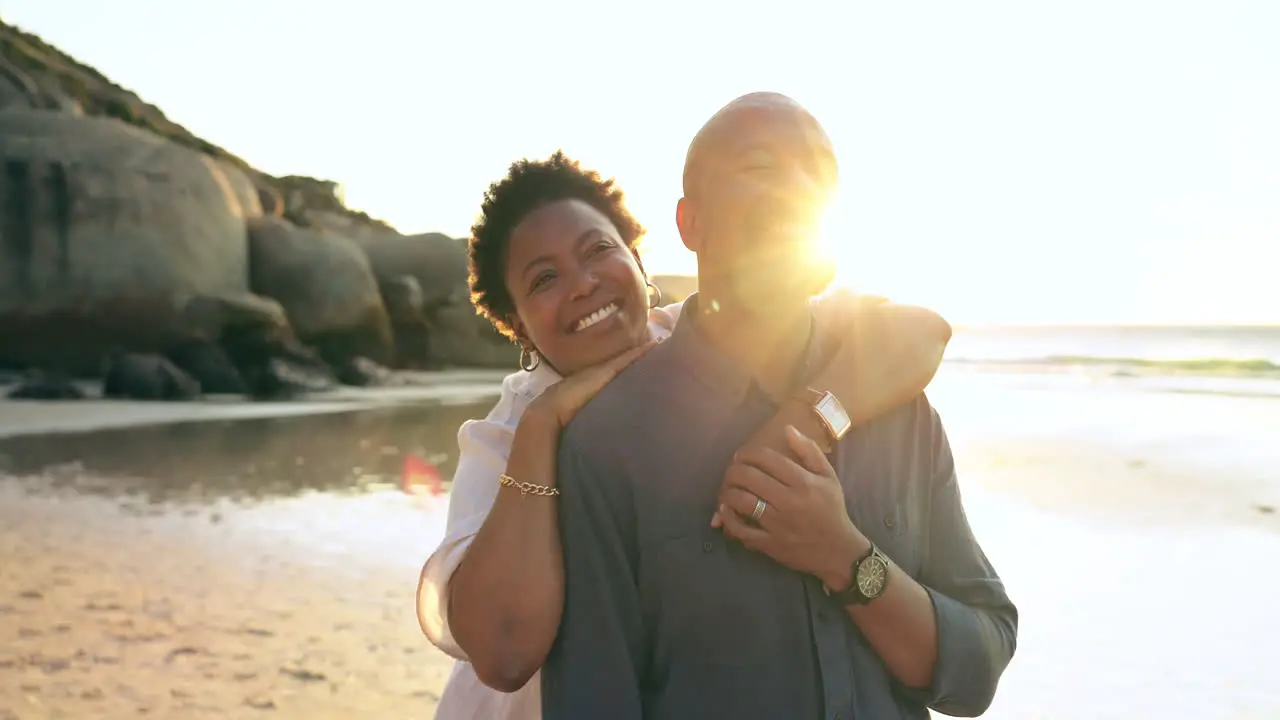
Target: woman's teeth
point(596, 317)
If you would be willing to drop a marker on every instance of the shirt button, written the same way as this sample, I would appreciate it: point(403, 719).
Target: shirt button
point(889, 522)
point(706, 546)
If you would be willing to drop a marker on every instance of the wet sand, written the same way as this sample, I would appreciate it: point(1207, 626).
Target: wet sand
point(265, 567)
point(33, 417)
point(220, 568)
point(108, 615)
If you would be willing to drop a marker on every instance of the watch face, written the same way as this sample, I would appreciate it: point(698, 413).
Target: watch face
point(834, 414)
point(871, 577)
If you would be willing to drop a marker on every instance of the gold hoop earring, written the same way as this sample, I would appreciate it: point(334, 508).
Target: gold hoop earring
point(529, 359)
point(656, 298)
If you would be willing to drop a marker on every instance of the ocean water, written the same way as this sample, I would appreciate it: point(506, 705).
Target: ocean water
point(1205, 359)
point(1219, 346)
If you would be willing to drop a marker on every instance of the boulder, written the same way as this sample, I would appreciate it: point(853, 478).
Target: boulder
point(461, 338)
point(268, 197)
point(232, 318)
point(46, 386)
point(438, 262)
point(55, 98)
point(452, 333)
point(403, 298)
point(17, 87)
point(240, 187)
point(361, 372)
point(246, 346)
point(326, 286)
point(211, 366)
point(354, 225)
point(106, 231)
point(303, 193)
point(282, 378)
point(256, 353)
point(133, 376)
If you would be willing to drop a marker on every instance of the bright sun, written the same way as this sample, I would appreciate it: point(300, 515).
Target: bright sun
point(835, 249)
point(871, 265)
point(862, 262)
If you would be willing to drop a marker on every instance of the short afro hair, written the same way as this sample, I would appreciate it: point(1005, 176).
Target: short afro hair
point(528, 186)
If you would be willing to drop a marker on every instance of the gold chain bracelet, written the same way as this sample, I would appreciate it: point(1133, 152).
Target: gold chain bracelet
point(527, 488)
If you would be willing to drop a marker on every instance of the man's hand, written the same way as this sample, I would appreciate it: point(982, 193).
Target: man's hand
point(804, 525)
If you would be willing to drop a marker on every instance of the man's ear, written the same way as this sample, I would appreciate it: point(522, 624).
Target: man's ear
point(686, 222)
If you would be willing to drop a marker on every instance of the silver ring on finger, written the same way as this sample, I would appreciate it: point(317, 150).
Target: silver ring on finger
point(758, 511)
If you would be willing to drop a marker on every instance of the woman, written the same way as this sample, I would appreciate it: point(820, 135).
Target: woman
point(553, 265)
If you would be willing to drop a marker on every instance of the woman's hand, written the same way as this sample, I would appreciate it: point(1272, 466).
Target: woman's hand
point(888, 350)
point(804, 524)
point(563, 400)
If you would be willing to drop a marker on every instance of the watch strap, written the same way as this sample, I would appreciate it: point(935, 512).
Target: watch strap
point(808, 395)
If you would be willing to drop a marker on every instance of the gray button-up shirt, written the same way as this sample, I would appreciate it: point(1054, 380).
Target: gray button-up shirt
point(665, 617)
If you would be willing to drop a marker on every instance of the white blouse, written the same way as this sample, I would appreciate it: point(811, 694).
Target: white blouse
point(483, 448)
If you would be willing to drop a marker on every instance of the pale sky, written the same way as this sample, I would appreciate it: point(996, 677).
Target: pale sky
point(1091, 161)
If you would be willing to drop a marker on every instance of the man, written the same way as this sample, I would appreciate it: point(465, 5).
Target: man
point(839, 586)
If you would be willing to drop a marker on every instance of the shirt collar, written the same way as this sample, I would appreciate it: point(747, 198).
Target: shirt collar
point(719, 371)
point(532, 383)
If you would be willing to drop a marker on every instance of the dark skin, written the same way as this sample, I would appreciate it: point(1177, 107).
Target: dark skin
point(565, 262)
point(765, 150)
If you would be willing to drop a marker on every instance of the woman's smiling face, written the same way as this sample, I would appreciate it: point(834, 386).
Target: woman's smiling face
point(579, 293)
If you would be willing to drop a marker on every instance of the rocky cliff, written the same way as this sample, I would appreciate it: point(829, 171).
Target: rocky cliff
point(128, 242)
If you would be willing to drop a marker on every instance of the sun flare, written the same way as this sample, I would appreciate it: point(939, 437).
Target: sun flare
point(866, 263)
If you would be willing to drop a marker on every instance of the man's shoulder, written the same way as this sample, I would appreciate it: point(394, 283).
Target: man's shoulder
point(628, 405)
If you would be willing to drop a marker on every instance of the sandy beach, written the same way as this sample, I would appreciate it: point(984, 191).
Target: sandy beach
point(261, 562)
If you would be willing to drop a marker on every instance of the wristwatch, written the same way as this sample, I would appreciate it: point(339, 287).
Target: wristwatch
point(870, 578)
point(830, 412)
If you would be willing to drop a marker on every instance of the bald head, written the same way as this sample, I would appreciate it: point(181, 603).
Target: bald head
point(758, 178)
point(716, 134)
